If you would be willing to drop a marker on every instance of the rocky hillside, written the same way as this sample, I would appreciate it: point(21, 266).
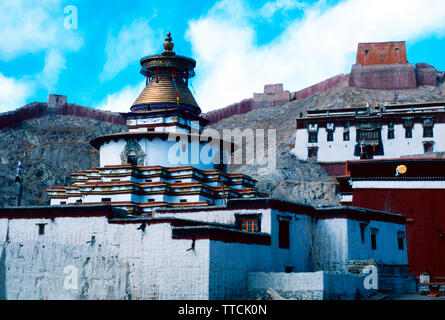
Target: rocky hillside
point(53, 145)
point(50, 147)
point(302, 181)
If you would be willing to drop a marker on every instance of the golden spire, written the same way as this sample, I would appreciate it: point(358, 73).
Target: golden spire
point(167, 81)
point(168, 45)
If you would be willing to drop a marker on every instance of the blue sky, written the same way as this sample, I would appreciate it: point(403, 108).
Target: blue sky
point(239, 45)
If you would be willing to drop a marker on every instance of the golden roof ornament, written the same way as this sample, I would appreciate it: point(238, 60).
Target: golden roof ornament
point(168, 45)
point(167, 77)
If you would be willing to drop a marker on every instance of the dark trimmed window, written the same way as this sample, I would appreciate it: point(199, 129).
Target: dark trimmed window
point(374, 238)
point(428, 147)
point(248, 222)
point(106, 200)
point(391, 134)
point(313, 137)
point(391, 130)
point(330, 136)
point(250, 225)
point(283, 233)
point(362, 232)
point(41, 228)
point(312, 153)
point(346, 131)
point(427, 132)
point(401, 240)
point(408, 133)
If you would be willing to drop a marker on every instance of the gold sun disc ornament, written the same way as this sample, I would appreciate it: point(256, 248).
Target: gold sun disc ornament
point(401, 169)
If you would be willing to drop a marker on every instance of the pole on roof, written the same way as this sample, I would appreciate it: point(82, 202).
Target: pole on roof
point(19, 183)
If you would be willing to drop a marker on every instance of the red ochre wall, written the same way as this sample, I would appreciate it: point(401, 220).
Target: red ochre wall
point(334, 168)
point(381, 53)
point(37, 109)
point(425, 212)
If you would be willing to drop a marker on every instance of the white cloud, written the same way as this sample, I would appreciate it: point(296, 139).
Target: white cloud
point(270, 8)
point(230, 65)
point(55, 62)
point(27, 27)
point(126, 47)
point(13, 93)
point(121, 100)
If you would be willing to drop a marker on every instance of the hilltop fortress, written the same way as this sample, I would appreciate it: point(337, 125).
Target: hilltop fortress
point(381, 66)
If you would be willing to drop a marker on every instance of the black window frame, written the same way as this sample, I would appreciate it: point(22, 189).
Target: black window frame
point(311, 137)
point(362, 232)
point(283, 232)
point(239, 218)
point(401, 240)
point(428, 132)
point(408, 133)
point(330, 136)
point(41, 228)
point(309, 153)
point(374, 233)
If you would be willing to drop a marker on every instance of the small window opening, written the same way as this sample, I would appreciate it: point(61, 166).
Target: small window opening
point(106, 199)
point(183, 200)
point(390, 133)
point(401, 240)
point(250, 225)
point(374, 238)
point(312, 153)
point(41, 228)
point(313, 137)
point(283, 234)
point(428, 147)
point(408, 133)
point(362, 232)
point(428, 132)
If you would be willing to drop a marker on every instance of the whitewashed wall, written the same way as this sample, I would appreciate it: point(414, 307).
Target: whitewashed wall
point(123, 263)
point(318, 285)
point(126, 263)
point(339, 150)
point(387, 251)
point(157, 153)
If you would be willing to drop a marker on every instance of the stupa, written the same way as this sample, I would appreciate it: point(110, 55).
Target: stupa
point(162, 161)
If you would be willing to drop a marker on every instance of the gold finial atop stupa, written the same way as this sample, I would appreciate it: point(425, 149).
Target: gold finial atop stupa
point(168, 44)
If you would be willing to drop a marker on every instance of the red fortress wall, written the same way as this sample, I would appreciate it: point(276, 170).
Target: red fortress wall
point(273, 96)
point(381, 53)
point(384, 66)
point(38, 109)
